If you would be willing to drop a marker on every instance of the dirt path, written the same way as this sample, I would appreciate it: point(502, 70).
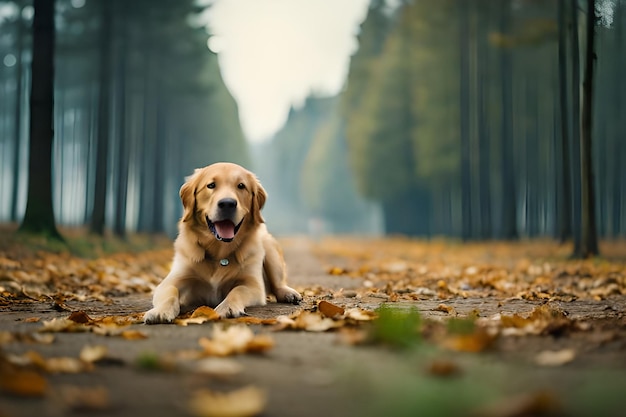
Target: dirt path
point(318, 374)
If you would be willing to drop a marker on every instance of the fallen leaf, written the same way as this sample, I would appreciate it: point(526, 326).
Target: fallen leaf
point(315, 322)
point(66, 365)
point(217, 367)
point(80, 317)
point(133, 335)
point(200, 315)
point(93, 353)
point(477, 341)
point(555, 357)
point(542, 403)
point(443, 368)
point(23, 383)
point(234, 340)
point(330, 310)
point(245, 402)
point(446, 309)
point(84, 399)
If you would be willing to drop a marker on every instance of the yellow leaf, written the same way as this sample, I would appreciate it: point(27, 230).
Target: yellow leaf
point(555, 358)
point(23, 383)
point(234, 340)
point(92, 354)
point(245, 402)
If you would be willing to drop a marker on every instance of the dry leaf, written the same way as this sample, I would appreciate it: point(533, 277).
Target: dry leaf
point(200, 315)
point(555, 358)
point(234, 340)
point(84, 399)
point(315, 322)
point(92, 354)
point(541, 403)
point(358, 314)
point(446, 309)
point(133, 335)
point(23, 383)
point(443, 368)
point(245, 402)
point(217, 367)
point(477, 341)
point(80, 317)
point(330, 310)
point(58, 325)
point(66, 365)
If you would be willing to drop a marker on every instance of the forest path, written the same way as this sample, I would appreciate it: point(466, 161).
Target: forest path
point(155, 370)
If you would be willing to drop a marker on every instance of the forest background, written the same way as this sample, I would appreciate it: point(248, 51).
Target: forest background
point(481, 119)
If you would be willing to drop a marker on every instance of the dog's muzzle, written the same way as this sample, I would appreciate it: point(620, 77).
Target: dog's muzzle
point(223, 230)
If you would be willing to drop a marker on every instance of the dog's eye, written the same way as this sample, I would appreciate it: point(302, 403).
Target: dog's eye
point(211, 185)
point(241, 186)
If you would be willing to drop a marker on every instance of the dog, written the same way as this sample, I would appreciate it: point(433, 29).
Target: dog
point(224, 257)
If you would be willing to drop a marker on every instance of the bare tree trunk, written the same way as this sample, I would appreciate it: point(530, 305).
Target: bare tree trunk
point(17, 121)
point(104, 109)
point(565, 200)
point(464, 112)
point(121, 188)
point(575, 165)
point(509, 192)
point(589, 238)
point(39, 216)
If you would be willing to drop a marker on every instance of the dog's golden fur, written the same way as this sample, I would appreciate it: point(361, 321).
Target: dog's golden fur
point(221, 224)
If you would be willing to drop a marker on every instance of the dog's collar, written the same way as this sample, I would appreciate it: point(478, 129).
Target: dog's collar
point(223, 261)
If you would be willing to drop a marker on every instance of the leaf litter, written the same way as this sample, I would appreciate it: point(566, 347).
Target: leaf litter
point(396, 272)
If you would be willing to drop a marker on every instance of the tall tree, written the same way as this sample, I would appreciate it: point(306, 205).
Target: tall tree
point(564, 200)
point(104, 109)
point(588, 239)
point(508, 194)
point(39, 216)
point(17, 119)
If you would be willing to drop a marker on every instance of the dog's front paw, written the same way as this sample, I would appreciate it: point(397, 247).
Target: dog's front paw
point(157, 316)
point(226, 310)
point(288, 295)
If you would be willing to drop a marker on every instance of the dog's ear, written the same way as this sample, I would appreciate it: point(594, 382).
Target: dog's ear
point(259, 195)
point(188, 197)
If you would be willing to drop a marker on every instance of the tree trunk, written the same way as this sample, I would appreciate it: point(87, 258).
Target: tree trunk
point(39, 216)
point(121, 188)
point(565, 200)
point(17, 121)
point(575, 152)
point(509, 193)
point(104, 109)
point(589, 238)
point(464, 112)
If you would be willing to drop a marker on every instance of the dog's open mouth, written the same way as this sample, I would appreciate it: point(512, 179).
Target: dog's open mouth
point(224, 230)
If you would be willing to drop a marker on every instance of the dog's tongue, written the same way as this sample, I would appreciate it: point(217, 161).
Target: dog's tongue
point(225, 229)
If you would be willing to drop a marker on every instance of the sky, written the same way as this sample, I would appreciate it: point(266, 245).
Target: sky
point(273, 54)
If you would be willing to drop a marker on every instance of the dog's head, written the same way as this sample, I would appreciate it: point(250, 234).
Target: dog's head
point(223, 197)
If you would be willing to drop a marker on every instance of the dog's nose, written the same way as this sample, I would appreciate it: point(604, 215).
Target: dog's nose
point(227, 203)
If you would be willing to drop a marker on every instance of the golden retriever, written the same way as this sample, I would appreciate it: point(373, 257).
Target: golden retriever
point(224, 257)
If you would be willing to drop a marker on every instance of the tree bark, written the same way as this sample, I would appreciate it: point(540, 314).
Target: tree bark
point(589, 238)
point(17, 120)
point(464, 113)
point(104, 108)
point(509, 192)
point(565, 200)
point(39, 216)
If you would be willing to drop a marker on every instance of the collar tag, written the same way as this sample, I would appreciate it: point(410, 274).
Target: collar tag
point(224, 262)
